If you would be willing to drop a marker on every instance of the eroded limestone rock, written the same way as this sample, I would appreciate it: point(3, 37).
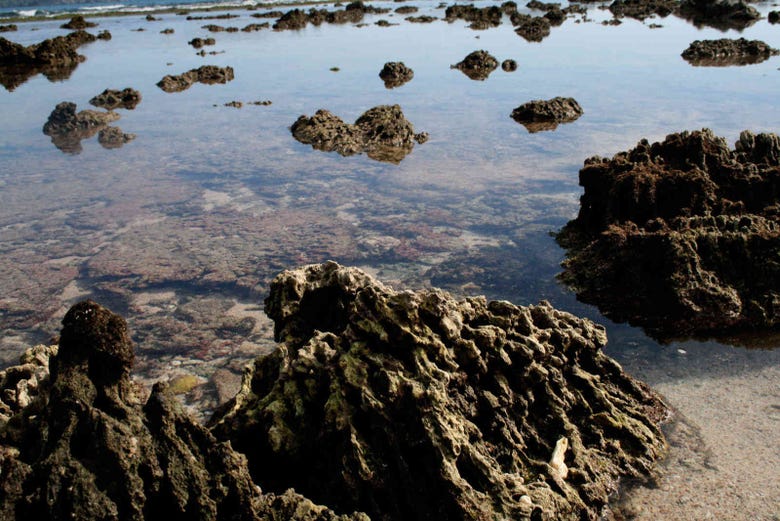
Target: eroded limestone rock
point(395, 74)
point(415, 405)
point(477, 65)
point(540, 115)
point(725, 52)
point(111, 99)
point(680, 236)
point(208, 74)
point(21, 384)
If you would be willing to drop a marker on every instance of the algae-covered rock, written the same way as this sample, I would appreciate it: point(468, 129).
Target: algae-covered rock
point(87, 449)
point(681, 237)
point(415, 405)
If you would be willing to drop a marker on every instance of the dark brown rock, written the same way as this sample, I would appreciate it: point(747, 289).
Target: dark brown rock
point(208, 74)
point(382, 132)
point(533, 29)
point(424, 19)
point(541, 115)
point(256, 27)
point(406, 9)
point(509, 65)
point(773, 17)
point(725, 52)
point(86, 448)
point(268, 14)
point(8, 28)
point(677, 236)
point(67, 128)
point(415, 405)
point(480, 17)
point(117, 99)
point(103, 35)
point(202, 42)
point(477, 65)
point(395, 74)
point(720, 14)
point(643, 9)
point(167, 31)
point(113, 137)
point(297, 19)
point(78, 22)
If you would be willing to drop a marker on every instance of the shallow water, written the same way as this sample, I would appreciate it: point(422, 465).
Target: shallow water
point(182, 229)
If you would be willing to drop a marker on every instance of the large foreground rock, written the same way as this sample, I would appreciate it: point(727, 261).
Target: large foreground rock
point(682, 236)
point(382, 132)
point(538, 115)
point(85, 448)
point(725, 52)
point(207, 74)
point(415, 405)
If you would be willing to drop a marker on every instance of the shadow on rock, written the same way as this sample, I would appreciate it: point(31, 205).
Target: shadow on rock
point(415, 405)
point(679, 237)
point(382, 132)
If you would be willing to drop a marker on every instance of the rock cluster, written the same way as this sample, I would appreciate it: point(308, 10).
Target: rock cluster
point(532, 28)
point(111, 99)
point(208, 74)
point(643, 9)
point(480, 17)
point(477, 65)
point(678, 236)
point(67, 128)
point(395, 74)
point(725, 52)
point(720, 14)
point(297, 19)
point(87, 449)
point(382, 132)
point(541, 115)
point(8, 28)
point(78, 23)
point(415, 405)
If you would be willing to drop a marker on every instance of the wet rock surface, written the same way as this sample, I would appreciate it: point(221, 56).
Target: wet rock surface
point(86, 448)
point(539, 115)
point(720, 14)
point(67, 128)
point(509, 65)
point(437, 408)
point(207, 74)
point(382, 132)
point(643, 9)
point(725, 52)
point(78, 22)
point(477, 65)
point(297, 19)
point(480, 17)
point(198, 43)
point(678, 236)
point(111, 99)
point(395, 74)
point(113, 137)
point(531, 28)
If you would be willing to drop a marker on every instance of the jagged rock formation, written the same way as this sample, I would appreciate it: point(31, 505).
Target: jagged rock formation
point(111, 99)
point(382, 132)
point(532, 28)
point(643, 9)
point(208, 74)
point(78, 23)
point(415, 405)
point(480, 17)
point(21, 384)
point(86, 449)
point(680, 237)
point(541, 115)
point(720, 14)
point(67, 128)
point(113, 137)
point(477, 65)
point(725, 52)
point(297, 19)
point(395, 74)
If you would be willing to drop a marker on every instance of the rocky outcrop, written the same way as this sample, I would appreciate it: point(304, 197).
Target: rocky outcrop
point(477, 65)
point(480, 17)
point(202, 42)
point(8, 28)
point(415, 405)
point(78, 23)
point(725, 52)
point(541, 115)
point(643, 9)
point(67, 128)
point(720, 14)
point(87, 449)
point(531, 28)
point(678, 236)
point(21, 384)
point(422, 19)
point(113, 137)
point(111, 99)
point(208, 74)
point(382, 132)
point(395, 74)
point(297, 19)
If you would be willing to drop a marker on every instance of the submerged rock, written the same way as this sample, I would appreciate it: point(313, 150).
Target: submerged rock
point(679, 236)
point(415, 405)
point(382, 132)
point(208, 74)
point(541, 115)
point(67, 128)
point(725, 52)
point(720, 14)
point(395, 74)
point(478, 65)
point(115, 99)
point(87, 449)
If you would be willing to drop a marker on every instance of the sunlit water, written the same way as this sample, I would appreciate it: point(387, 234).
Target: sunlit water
point(182, 229)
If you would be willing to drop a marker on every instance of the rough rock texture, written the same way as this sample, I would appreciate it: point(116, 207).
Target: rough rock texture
point(480, 17)
point(67, 128)
point(533, 29)
point(681, 237)
point(721, 14)
point(643, 9)
point(395, 74)
point(208, 74)
point(418, 406)
point(21, 384)
point(113, 137)
point(87, 449)
point(540, 115)
point(478, 65)
point(382, 132)
point(117, 99)
point(725, 52)
point(77, 23)
point(297, 19)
